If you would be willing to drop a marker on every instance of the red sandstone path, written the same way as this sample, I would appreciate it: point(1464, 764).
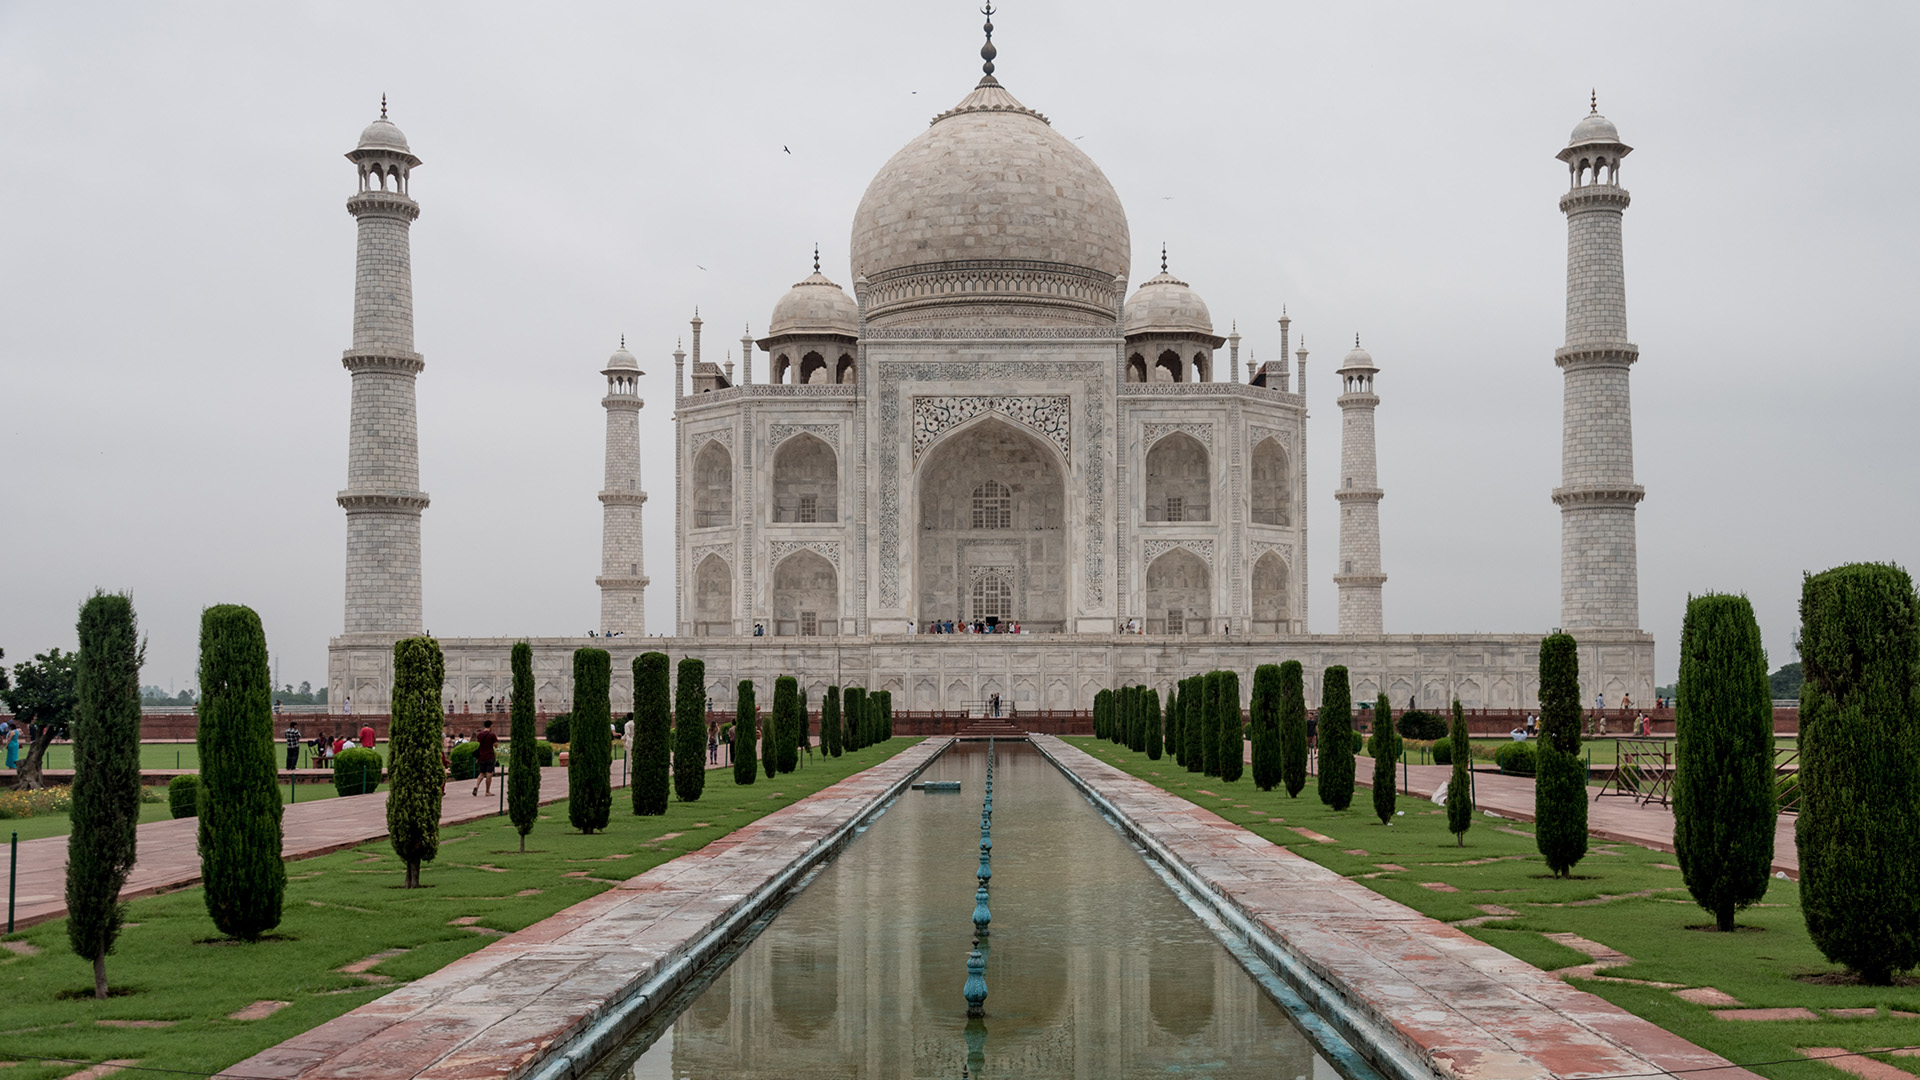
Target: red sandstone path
point(170, 854)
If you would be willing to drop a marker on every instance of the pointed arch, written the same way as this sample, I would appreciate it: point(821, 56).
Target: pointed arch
point(1179, 594)
point(712, 486)
point(806, 596)
point(1179, 480)
point(1271, 484)
point(712, 597)
point(806, 481)
point(1270, 599)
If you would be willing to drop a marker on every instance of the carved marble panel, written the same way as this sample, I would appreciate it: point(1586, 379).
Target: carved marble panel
point(1156, 548)
point(1153, 433)
point(827, 433)
point(1050, 417)
point(780, 549)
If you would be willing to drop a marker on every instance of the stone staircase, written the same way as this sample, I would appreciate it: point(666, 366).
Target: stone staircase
point(990, 728)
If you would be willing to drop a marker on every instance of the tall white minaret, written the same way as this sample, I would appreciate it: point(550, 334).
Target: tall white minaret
point(1599, 554)
point(1359, 495)
point(623, 585)
point(382, 498)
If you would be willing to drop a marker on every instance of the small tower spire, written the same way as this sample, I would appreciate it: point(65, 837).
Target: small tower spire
point(987, 51)
point(1593, 101)
point(383, 106)
point(816, 258)
point(1163, 256)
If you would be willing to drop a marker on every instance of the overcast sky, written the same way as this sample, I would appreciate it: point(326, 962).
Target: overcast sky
point(176, 272)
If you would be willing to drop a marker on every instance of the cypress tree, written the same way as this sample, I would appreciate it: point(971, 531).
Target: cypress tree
point(1193, 726)
point(802, 735)
point(590, 755)
point(1175, 746)
point(1336, 738)
point(850, 717)
point(1386, 754)
point(1125, 700)
point(1859, 828)
point(1460, 785)
point(830, 722)
point(1293, 727)
point(886, 714)
point(796, 729)
point(786, 700)
point(1560, 777)
point(690, 731)
point(239, 832)
point(1100, 700)
point(416, 779)
point(746, 733)
point(523, 751)
point(1265, 717)
point(1723, 800)
point(1210, 723)
point(1150, 713)
point(1233, 740)
point(106, 778)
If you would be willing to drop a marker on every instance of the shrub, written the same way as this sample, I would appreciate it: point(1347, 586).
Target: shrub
point(560, 728)
point(690, 731)
point(239, 832)
point(1442, 752)
point(526, 756)
point(1516, 759)
point(648, 760)
point(413, 749)
point(1336, 739)
point(1723, 799)
point(1232, 729)
point(1386, 754)
point(543, 753)
point(1560, 785)
point(106, 777)
point(1460, 784)
point(183, 796)
point(1423, 726)
point(464, 762)
point(357, 770)
point(1859, 828)
point(746, 733)
point(590, 754)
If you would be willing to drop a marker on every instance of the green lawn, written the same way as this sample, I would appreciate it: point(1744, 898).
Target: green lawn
point(1630, 898)
point(345, 907)
point(1600, 752)
point(58, 824)
point(186, 755)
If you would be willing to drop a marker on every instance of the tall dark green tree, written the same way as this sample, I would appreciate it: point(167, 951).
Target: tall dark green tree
point(1859, 828)
point(523, 748)
point(1723, 800)
point(649, 767)
point(1102, 701)
point(1293, 727)
point(786, 702)
point(1127, 698)
point(690, 730)
point(416, 779)
point(1263, 715)
point(850, 707)
point(245, 881)
point(1193, 723)
point(746, 734)
point(1460, 785)
point(802, 730)
point(1233, 740)
point(1210, 722)
point(886, 714)
point(1386, 756)
point(590, 755)
point(1175, 746)
point(105, 811)
point(1560, 777)
point(830, 723)
point(1336, 738)
point(1150, 715)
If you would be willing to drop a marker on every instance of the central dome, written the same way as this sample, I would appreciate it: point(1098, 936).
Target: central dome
point(991, 206)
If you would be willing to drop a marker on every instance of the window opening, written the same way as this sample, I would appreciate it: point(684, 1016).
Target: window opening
point(992, 506)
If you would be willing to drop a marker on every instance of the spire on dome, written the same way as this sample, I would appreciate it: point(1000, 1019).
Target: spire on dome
point(1593, 101)
point(987, 51)
point(623, 341)
point(383, 106)
point(1163, 257)
point(816, 258)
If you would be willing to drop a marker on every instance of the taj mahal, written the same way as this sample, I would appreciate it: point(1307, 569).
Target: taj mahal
point(988, 428)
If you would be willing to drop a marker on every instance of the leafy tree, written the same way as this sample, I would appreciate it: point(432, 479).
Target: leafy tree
point(746, 733)
point(106, 778)
point(1233, 742)
point(1460, 784)
point(1193, 723)
point(1723, 800)
point(1264, 715)
point(42, 700)
point(1560, 777)
point(590, 755)
point(652, 722)
point(239, 834)
point(690, 731)
point(1336, 738)
point(416, 781)
point(1859, 828)
point(1293, 727)
point(786, 701)
point(830, 722)
point(1386, 755)
point(1784, 685)
point(523, 748)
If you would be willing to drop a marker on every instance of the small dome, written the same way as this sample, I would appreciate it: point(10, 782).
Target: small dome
point(1166, 305)
point(622, 360)
point(382, 134)
point(1593, 128)
point(1358, 359)
point(815, 306)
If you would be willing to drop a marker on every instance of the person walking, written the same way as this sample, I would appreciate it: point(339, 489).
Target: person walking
point(366, 736)
point(293, 743)
point(484, 756)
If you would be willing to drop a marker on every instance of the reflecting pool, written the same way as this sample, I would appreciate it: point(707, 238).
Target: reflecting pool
point(1095, 968)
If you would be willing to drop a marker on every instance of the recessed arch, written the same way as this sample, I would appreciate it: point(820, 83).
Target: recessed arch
point(1168, 365)
point(1136, 368)
point(806, 481)
point(778, 371)
point(1179, 480)
point(712, 597)
point(1016, 480)
point(844, 371)
point(806, 596)
point(1272, 484)
point(813, 368)
point(712, 486)
point(1270, 576)
point(1179, 593)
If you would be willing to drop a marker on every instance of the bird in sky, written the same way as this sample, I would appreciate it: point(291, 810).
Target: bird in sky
point(699, 266)
point(788, 151)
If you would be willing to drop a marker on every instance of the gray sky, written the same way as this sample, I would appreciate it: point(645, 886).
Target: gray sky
point(176, 272)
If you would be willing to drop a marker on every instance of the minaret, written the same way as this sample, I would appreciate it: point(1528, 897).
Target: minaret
point(1233, 350)
point(622, 584)
point(1286, 324)
point(1359, 496)
point(746, 355)
point(1599, 558)
point(382, 498)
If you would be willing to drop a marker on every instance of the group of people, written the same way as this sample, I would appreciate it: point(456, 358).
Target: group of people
point(324, 747)
point(977, 626)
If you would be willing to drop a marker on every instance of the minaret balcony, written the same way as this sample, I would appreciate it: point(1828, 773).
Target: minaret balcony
point(1621, 495)
point(1595, 197)
point(1620, 355)
point(623, 582)
point(375, 358)
point(382, 501)
point(1359, 494)
point(1358, 401)
point(383, 204)
point(623, 498)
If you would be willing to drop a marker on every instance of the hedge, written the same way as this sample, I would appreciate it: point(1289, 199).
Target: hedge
point(183, 795)
point(357, 770)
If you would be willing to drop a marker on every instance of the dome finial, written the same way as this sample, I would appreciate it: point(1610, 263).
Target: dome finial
point(623, 341)
point(1356, 340)
point(987, 51)
point(816, 258)
point(1163, 257)
point(383, 106)
point(1593, 100)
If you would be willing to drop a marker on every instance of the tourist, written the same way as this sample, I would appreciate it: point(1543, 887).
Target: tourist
point(293, 746)
point(1313, 728)
point(13, 748)
point(366, 736)
point(713, 747)
point(909, 627)
point(484, 756)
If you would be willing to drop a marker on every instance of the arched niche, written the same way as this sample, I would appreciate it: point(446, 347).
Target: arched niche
point(1167, 368)
point(1179, 480)
point(844, 371)
point(712, 597)
point(806, 596)
point(1270, 575)
point(806, 481)
point(1179, 594)
point(991, 495)
point(813, 368)
point(1272, 483)
point(712, 486)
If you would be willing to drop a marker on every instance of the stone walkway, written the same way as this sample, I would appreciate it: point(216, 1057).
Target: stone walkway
point(1463, 1008)
point(498, 1012)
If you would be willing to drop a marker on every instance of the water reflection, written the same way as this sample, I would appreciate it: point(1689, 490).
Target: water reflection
point(1094, 968)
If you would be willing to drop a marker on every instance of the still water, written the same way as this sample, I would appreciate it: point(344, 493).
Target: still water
point(1095, 968)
